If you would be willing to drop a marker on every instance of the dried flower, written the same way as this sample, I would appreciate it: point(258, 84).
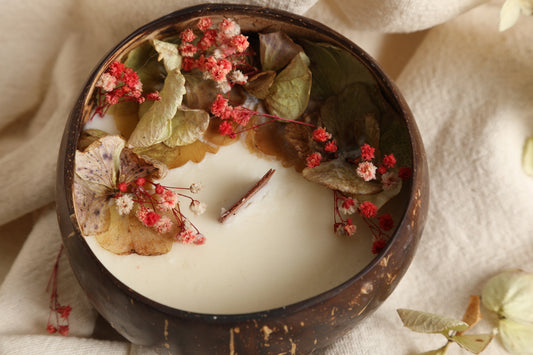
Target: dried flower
point(368, 209)
point(367, 152)
point(348, 206)
point(386, 222)
point(331, 146)
point(313, 160)
point(195, 187)
point(349, 227)
point(378, 245)
point(124, 204)
point(320, 134)
point(389, 161)
point(389, 180)
point(163, 225)
point(366, 170)
point(197, 207)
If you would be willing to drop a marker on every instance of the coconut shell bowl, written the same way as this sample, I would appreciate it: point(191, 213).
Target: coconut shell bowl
point(347, 94)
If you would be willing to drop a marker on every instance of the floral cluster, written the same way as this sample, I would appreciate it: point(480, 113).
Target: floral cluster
point(57, 312)
point(119, 84)
point(155, 203)
point(217, 51)
point(238, 117)
point(368, 211)
point(330, 147)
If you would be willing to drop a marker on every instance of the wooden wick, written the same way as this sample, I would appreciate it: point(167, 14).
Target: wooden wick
point(249, 194)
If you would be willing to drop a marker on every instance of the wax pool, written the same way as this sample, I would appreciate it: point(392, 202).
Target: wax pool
point(279, 250)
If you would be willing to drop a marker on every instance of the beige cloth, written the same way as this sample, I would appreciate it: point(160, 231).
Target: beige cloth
point(469, 86)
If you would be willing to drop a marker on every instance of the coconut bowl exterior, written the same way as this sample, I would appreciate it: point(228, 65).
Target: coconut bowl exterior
point(299, 328)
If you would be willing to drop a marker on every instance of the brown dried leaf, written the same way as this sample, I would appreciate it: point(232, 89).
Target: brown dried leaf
point(473, 313)
point(259, 84)
point(276, 50)
point(133, 166)
point(339, 175)
point(177, 156)
point(127, 235)
point(88, 137)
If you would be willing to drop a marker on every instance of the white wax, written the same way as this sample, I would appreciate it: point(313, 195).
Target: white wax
point(279, 250)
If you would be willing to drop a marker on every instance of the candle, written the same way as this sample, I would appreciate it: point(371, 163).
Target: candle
point(279, 250)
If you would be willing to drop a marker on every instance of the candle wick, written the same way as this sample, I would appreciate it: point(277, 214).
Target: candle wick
point(246, 197)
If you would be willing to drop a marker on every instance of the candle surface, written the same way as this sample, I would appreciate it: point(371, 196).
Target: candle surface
point(279, 250)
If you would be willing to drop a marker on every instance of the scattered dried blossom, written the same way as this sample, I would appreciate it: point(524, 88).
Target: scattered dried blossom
point(366, 170)
point(368, 209)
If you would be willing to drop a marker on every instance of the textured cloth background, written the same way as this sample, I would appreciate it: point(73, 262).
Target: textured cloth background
point(470, 89)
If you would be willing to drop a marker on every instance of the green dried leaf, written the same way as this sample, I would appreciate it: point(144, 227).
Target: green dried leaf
point(259, 85)
point(155, 125)
point(276, 50)
point(339, 175)
point(168, 54)
point(527, 157)
point(516, 337)
point(345, 115)
point(143, 60)
point(510, 295)
point(395, 139)
point(424, 322)
point(334, 69)
point(289, 94)
point(187, 126)
point(474, 343)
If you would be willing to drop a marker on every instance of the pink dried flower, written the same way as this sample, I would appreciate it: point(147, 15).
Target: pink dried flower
point(163, 225)
point(167, 200)
point(188, 35)
point(331, 146)
point(204, 23)
point(386, 222)
point(348, 206)
point(313, 160)
point(187, 49)
point(186, 236)
point(229, 28)
point(349, 227)
point(366, 170)
point(240, 43)
point(107, 82)
point(367, 152)
point(368, 209)
point(389, 161)
point(226, 128)
point(320, 134)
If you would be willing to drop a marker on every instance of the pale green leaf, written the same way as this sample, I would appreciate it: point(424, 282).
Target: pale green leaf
point(510, 294)
point(474, 343)
point(339, 175)
point(155, 125)
point(187, 126)
point(289, 94)
point(527, 157)
point(424, 322)
point(334, 69)
point(276, 50)
point(168, 54)
point(516, 337)
point(509, 14)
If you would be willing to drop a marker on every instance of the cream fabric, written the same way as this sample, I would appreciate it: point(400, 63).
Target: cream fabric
point(469, 86)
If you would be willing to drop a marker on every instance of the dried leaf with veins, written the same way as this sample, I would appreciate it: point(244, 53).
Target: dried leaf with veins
point(98, 170)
